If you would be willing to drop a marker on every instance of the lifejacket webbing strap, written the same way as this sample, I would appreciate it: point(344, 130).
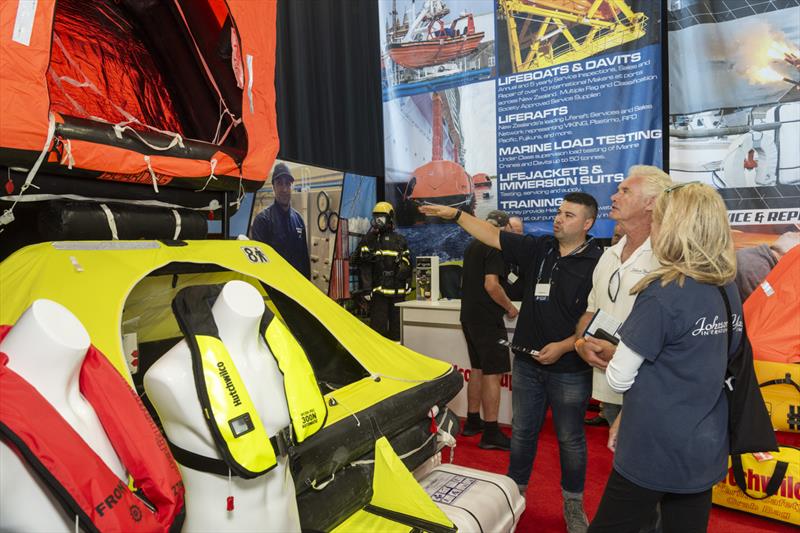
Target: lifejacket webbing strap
point(280, 443)
point(786, 380)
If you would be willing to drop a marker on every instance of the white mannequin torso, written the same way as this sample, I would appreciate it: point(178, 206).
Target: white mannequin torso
point(266, 503)
point(46, 347)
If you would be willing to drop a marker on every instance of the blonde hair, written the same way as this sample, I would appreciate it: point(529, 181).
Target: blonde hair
point(654, 179)
point(694, 239)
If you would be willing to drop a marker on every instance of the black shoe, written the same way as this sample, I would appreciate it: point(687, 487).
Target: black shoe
point(471, 429)
point(495, 441)
point(595, 421)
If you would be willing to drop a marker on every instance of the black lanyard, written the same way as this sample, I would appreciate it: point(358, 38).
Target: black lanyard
point(576, 251)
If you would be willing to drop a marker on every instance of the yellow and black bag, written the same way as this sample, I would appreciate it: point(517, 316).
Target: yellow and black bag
point(769, 488)
point(780, 387)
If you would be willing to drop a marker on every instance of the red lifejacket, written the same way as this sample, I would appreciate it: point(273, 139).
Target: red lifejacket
point(76, 476)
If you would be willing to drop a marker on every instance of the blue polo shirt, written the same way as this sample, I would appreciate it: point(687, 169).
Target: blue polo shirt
point(673, 435)
point(286, 233)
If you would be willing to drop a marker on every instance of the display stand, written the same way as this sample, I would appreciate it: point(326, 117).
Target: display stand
point(434, 329)
point(266, 503)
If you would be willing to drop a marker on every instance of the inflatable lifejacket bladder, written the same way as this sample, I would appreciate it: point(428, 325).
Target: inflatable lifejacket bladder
point(397, 500)
point(73, 472)
point(231, 416)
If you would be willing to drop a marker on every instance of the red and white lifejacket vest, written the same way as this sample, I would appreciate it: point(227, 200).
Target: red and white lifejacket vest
point(76, 476)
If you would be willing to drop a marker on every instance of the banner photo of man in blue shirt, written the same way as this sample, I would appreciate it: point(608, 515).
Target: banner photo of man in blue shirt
point(282, 227)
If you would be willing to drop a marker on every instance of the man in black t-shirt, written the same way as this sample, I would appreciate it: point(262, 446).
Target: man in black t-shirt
point(483, 303)
point(557, 273)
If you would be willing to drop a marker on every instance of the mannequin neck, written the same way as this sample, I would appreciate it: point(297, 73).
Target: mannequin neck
point(46, 347)
point(237, 312)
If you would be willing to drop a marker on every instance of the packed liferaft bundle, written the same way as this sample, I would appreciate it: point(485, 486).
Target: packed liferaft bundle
point(176, 92)
point(370, 386)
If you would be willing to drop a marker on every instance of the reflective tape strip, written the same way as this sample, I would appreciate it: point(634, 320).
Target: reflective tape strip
point(390, 292)
point(250, 82)
point(23, 22)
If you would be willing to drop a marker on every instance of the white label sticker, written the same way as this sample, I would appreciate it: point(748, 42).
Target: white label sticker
point(767, 288)
point(23, 24)
point(542, 290)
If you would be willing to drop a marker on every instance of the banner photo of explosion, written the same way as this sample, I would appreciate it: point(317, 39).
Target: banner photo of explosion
point(734, 73)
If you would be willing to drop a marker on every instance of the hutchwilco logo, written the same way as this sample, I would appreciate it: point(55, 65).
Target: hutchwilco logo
point(716, 326)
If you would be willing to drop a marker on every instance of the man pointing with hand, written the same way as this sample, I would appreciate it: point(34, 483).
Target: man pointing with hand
point(557, 272)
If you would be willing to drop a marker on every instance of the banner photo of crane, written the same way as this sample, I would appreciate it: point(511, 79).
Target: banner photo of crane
point(578, 102)
point(734, 71)
point(511, 104)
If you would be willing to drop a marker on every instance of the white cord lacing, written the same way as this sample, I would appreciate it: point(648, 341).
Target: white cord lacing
point(8, 215)
point(211, 176)
point(152, 174)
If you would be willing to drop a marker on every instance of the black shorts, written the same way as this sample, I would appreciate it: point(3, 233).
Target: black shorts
point(484, 352)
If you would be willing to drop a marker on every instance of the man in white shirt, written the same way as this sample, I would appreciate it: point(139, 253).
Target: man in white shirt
point(619, 269)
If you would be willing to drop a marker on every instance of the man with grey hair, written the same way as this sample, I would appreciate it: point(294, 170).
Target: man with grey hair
point(619, 269)
point(483, 303)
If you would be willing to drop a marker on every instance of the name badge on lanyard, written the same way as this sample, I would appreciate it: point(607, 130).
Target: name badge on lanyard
point(542, 291)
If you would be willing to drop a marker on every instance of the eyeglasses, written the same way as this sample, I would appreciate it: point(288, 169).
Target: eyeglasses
point(678, 186)
point(615, 281)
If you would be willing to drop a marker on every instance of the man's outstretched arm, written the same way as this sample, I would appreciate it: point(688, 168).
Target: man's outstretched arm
point(482, 230)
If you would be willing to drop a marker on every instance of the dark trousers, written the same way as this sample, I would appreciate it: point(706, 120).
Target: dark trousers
point(384, 317)
point(567, 394)
point(627, 507)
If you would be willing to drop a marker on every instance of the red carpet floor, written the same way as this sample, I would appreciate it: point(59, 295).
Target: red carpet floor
point(543, 512)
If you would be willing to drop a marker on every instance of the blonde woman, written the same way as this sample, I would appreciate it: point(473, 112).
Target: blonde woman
point(671, 445)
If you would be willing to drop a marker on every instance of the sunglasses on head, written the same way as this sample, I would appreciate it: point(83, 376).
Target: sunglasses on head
point(678, 186)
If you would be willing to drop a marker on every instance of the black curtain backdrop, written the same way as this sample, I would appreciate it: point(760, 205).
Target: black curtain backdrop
point(328, 85)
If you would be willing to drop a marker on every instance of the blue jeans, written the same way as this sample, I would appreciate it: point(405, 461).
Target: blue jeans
point(534, 390)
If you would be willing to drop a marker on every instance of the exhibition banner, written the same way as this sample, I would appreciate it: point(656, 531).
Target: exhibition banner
point(511, 104)
point(734, 104)
point(574, 114)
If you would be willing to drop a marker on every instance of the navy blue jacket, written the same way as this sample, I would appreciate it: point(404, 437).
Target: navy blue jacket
point(286, 232)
